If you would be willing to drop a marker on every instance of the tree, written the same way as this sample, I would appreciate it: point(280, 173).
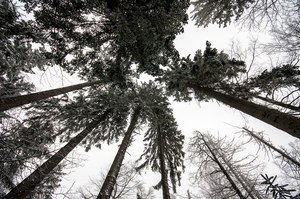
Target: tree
point(110, 180)
point(219, 12)
point(24, 144)
point(290, 171)
point(145, 98)
point(164, 148)
point(17, 55)
point(278, 103)
point(268, 145)
point(128, 183)
point(202, 147)
point(73, 116)
point(280, 18)
point(286, 38)
point(211, 75)
point(278, 79)
point(247, 185)
point(253, 12)
point(139, 32)
point(273, 117)
point(285, 32)
point(7, 103)
point(28, 184)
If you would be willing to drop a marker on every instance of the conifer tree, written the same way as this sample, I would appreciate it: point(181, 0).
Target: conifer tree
point(110, 180)
point(211, 75)
point(72, 117)
point(164, 148)
point(276, 80)
point(17, 55)
point(150, 99)
point(27, 185)
point(24, 144)
point(136, 32)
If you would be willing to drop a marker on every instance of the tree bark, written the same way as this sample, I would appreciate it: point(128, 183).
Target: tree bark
point(280, 120)
point(111, 178)
point(230, 180)
point(28, 184)
point(282, 153)
point(288, 106)
point(7, 103)
point(163, 171)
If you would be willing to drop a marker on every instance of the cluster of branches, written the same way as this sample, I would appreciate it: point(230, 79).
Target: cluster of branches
point(222, 173)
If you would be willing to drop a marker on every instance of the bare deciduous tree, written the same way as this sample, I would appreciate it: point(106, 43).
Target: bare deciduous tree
point(128, 185)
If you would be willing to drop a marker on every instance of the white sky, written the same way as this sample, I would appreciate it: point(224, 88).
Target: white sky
point(213, 117)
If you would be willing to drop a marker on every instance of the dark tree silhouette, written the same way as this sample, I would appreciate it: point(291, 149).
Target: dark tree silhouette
point(29, 183)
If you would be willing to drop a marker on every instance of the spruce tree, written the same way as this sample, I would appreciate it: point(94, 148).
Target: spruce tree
point(70, 118)
point(28, 184)
point(130, 32)
point(149, 98)
point(211, 75)
point(18, 57)
point(164, 148)
point(111, 178)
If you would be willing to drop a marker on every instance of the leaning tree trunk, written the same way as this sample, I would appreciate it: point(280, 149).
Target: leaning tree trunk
point(230, 180)
point(288, 106)
point(280, 120)
point(7, 103)
point(111, 178)
point(250, 190)
point(29, 183)
point(163, 169)
point(282, 153)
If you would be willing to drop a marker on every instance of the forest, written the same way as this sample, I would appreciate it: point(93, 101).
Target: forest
point(109, 47)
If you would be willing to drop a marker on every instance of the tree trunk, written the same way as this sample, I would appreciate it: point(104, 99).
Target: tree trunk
point(280, 120)
point(7, 103)
point(245, 185)
point(29, 183)
point(255, 192)
point(163, 171)
point(282, 153)
point(188, 194)
point(230, 180)
point(111, 178)
point(288, 106)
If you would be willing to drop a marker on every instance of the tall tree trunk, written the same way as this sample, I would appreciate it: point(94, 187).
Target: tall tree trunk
point(7, 103)
point(29, 183)
point(224, 171)
point(163, 171)
point(250, 190)
point(111, 178)
point(288, 106)
point(280, 120)
point(188, 194)
point(282, 153)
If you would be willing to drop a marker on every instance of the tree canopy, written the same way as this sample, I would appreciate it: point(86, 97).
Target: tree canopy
point(110, 44)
